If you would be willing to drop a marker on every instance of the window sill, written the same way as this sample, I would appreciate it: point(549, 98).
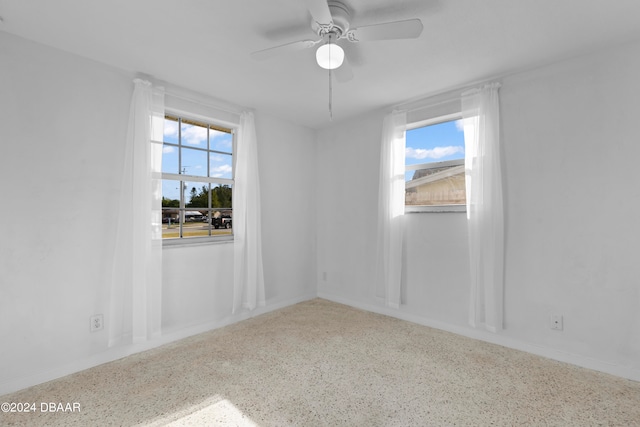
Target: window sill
point(436, 209)
point(195, 241)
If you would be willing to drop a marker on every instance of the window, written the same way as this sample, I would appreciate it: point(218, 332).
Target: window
point(434, 160)
point(197, 180)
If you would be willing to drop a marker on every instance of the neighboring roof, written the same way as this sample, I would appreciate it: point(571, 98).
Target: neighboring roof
point(436, 176)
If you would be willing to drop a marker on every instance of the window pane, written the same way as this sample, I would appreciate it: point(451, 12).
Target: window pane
point(222, 213)
point(221, 165)
point(194, 135)
point(170, 209)
point(196, 195)
point(435, 143)
point(195, 225)
point(221, 196)
point(170, 159)
point(220, 141)
point(170, 193)
point(435, 184)
point(170, 224)
point(171, 130)
point(194, 162)
point(196, 199)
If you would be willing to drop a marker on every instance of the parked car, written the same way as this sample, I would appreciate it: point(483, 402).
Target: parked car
point(224, 221)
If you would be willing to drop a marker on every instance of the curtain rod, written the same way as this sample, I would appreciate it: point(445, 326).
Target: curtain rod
point(424, 103)
point(191, 96)
point(443, 97)
point(232, 110)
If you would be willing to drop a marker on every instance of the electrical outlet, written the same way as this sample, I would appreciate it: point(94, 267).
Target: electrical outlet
point(97, 322)
point(556, 322)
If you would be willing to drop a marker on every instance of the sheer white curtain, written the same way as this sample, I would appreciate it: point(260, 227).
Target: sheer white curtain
point(391, 208)
point(485, 217)
point(248, 279)
point(135, 304)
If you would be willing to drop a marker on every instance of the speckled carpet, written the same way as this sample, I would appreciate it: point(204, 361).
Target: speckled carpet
point(319, 363)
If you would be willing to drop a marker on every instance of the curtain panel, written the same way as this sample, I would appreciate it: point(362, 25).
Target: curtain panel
point(248, 278)
point(485, 212)
point(391, 209)
point(135, 299)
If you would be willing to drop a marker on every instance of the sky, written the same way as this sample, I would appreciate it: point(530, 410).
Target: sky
point(435, 143)
point(194, 162)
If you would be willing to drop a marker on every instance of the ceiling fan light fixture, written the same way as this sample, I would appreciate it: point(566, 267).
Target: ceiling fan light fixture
point(330, 56)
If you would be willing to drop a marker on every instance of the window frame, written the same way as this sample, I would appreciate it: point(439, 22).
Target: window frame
point(194, 119)
point(432, 165)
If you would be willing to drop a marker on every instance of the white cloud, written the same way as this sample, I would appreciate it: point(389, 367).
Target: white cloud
point(434, 153)
point(194, 135)
point(220, 171)
point(460, 125)
point(166, 149)
point(170, 128)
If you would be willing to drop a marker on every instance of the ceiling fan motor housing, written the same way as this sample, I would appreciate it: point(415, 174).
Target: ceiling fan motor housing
point(341, 16)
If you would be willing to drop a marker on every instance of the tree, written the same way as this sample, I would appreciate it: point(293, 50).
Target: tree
point(170, 203)
point(223, 195)
point(198, 199)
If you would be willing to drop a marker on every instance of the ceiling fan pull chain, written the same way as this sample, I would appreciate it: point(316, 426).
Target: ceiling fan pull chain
point(330, 98)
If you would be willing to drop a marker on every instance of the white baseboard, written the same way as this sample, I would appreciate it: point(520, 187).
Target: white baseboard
point(115, 353)
point(550, 353)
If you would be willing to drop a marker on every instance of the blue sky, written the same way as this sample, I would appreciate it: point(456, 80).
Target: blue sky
point(194, 162)
point(435, 143)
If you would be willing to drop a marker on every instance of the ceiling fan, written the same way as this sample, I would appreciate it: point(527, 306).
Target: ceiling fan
point(331, 23)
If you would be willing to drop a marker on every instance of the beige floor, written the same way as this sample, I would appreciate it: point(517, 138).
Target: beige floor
point(324, 364)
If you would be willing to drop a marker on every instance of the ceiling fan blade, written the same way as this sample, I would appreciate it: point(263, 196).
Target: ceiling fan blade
point(344, 73)
point(319, 10)
point(409, 29)
point(285, 48)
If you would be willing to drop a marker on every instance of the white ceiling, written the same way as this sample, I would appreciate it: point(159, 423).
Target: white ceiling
point(205, 45)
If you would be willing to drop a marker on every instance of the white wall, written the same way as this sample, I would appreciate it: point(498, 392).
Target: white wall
point(347, 164)
point(62, 120)
point(63, 123)
point(572, 203)
point(288, 177)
